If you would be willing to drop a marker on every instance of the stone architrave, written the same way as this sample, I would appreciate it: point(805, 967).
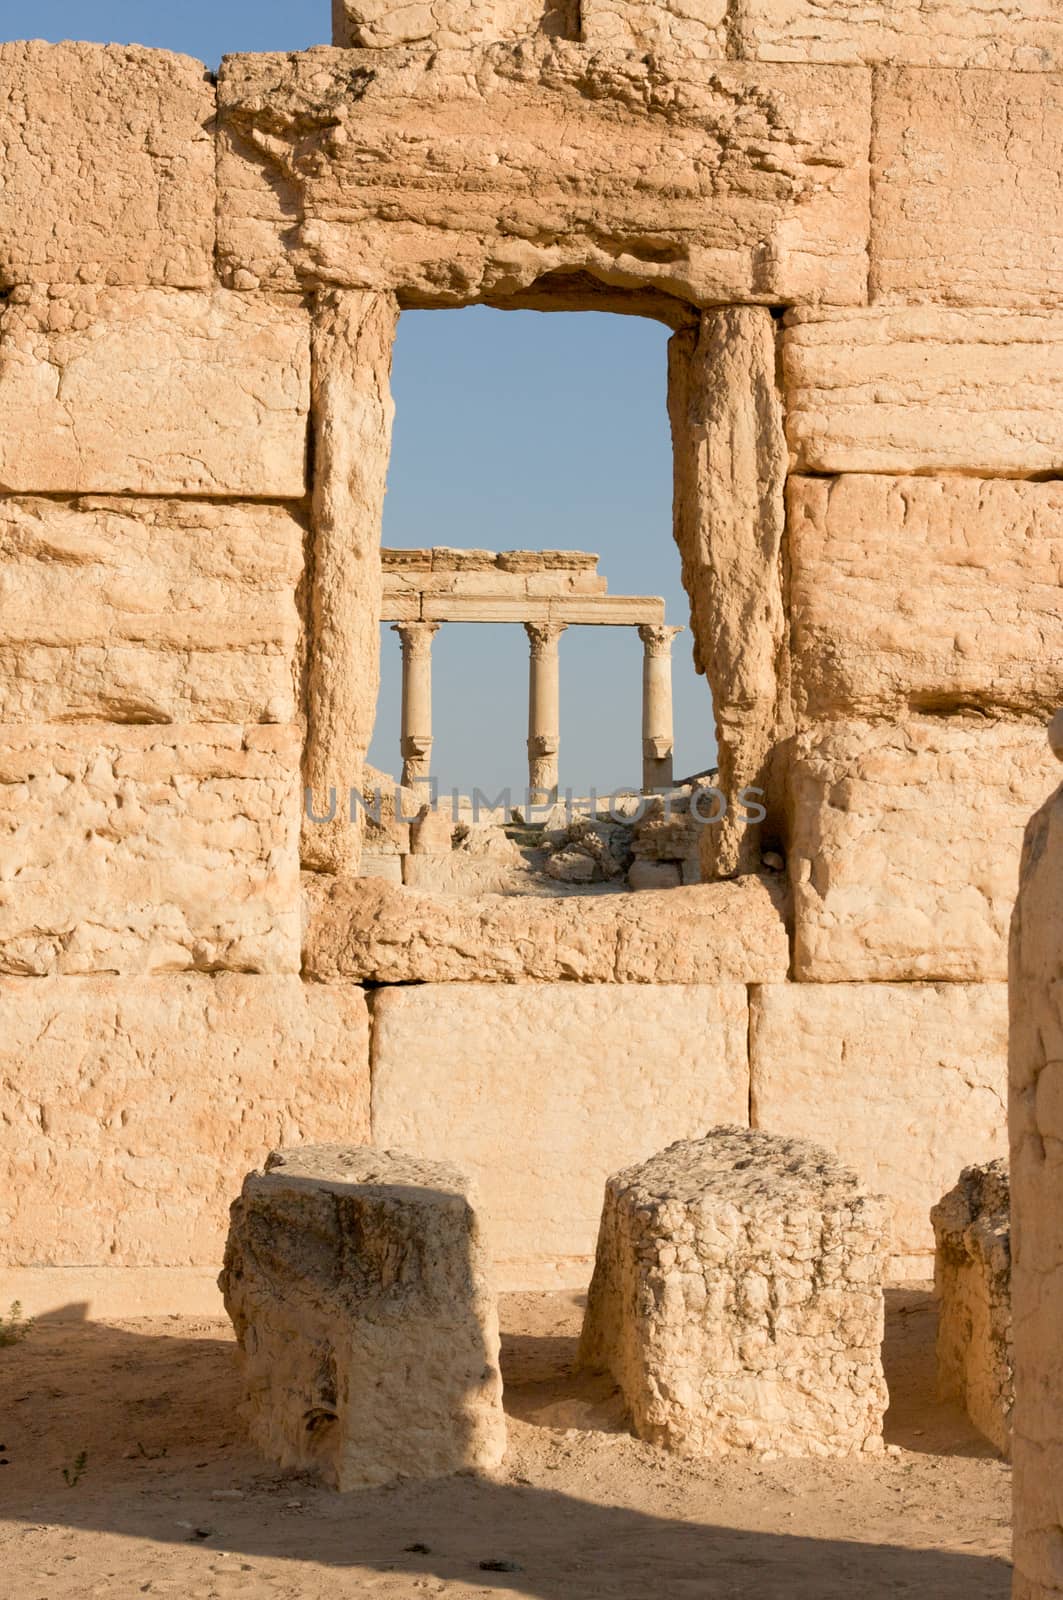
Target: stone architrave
point(730, 471)
point(737, 1298)
point(1036, 1126)
point(360, 1290)
point(352, 416)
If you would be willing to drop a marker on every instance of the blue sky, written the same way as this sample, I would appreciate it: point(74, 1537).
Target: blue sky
point(513, 430)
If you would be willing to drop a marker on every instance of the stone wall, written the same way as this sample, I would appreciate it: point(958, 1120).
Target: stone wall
point(845, 215)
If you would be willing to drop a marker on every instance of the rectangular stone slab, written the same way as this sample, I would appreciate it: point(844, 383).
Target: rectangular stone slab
point(133, 1110)
point(928, 594)
point(153, 391)
point(539, 1091)
point(108, 165)
point(696, 29)
point(966, 205)
point(1024, 34)
point(449, 176)
point(457, 24)
point(148, 610)
point(924, 389)
point(708, 933)
point(135, 850)
point(905, 843)
point(914, 1076)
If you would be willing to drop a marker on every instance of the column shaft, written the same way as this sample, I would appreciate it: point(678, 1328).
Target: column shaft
point(544, 710)
point(658, 738)
point(416, 740)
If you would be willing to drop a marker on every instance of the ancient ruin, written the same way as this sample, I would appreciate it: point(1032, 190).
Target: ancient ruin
point(846, 217)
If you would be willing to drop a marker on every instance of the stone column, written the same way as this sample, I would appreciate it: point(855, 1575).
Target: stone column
point(544, 710)
point(658, 738)
point(416, 639)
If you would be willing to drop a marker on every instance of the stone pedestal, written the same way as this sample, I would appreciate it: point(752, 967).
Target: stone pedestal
point(544, 710)
point(359, 1289)
point(972, 1272)
point(737, 1299)
point(658, 738)
point(416, 640)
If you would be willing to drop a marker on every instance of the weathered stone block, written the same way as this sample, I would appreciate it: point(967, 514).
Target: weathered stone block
point(905, 846)
point(737, 1298)
point(359, 1288)
point(696, 29)
point(965, 171)
point(914, 1076)
point(731, 932)
point(153, 391)
point(108, 166)
point(1036, 1125)
point(453, 24)
point(148, 849)
point(148, 611)
point(925, 389)
point(539, 1091)
point(131, 1110)
point(1024, 34)
point(925, 594)
point(441, 175)
point(972, 1272)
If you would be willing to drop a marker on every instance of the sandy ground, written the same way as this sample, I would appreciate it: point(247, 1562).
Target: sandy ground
point(170, 1501)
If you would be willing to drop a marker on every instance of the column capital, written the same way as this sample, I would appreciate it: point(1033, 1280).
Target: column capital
point(657, 637)
point(415, 637)
point(543, 636)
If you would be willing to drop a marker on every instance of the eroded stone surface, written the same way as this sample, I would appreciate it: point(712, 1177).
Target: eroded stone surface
point(135, 850)
point(1024, 34)
point(913, 594)
point(360, 1291)
point(540, 1090)
point(708, 933)
point(108, 165)
point(696, 29)
point(924, 389)
point(153, 391)
point(737, 1298)
point(915, 1076)
point(132, 1110)
point(972, 1272)
point(905, 845)
point(966, 196)
point(148, 610)
point(456, 24)
point(1036, 1123)
point(441, 176)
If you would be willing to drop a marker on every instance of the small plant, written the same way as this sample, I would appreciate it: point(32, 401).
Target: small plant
point(72, 1474)
point(14, 1326)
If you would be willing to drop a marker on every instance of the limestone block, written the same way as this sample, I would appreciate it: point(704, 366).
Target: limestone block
point(1023, 34)
point(360, 1291)
point(148, 849)
point(965, 171)
point(153, 391)
point(447, 176)
point(132, 1109)
point(972, 1272)
point(645, 875)
point(737, 1298)
point(539, 1091)
point(454, 24)
point(148, 610)
point(729, 451)
point(693, 28)
point(108, 166)
point(925, 389)
point(1036, 1124)
point(905, 846)
point(710, 933)
point(914, 1076)
point(925, 594)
